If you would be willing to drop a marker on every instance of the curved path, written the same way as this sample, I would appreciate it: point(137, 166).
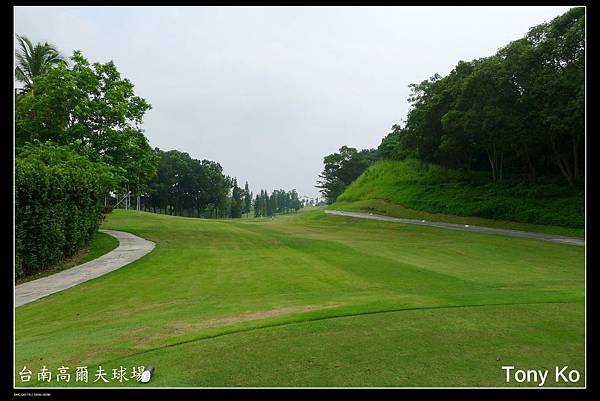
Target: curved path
point(462, 227)
point(131, 247)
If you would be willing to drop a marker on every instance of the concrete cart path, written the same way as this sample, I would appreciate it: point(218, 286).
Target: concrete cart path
point(131, 247)
point(462, 227)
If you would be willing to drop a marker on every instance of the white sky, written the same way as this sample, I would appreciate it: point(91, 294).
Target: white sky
point(269, 91)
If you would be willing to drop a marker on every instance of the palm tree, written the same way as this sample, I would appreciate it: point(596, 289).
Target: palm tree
point(33, 61)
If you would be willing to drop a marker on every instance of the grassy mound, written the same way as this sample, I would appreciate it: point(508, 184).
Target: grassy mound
point(430, 188)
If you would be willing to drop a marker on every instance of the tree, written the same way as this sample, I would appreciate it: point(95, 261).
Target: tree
point(187, 186)
point(257, 206)
point(92, 109)
point(521, 109)
point(342, 168)
point(559, 47)
point(219, 186)
point(237, 202)
point(490, 114)
point(34, 61)
point(271, 203)
point(264, 203)
point(294, 202)
point(199, 185)
point(247, 199)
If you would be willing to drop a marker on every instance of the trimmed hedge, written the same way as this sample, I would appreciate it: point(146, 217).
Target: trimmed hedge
point(58, 203)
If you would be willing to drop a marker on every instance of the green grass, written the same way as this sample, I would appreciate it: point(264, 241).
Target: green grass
point(315, 300)
point(419, 190)
point(100, 244)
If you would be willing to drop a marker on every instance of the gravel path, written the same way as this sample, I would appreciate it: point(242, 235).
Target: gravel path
point(463, 227)
point(131, 247)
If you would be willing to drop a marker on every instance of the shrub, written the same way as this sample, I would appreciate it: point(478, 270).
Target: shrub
point(58, 203)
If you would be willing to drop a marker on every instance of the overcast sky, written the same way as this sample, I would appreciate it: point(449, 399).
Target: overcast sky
point(269, 91)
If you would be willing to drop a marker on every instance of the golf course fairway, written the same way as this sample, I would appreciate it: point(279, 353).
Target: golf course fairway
point(314, 300)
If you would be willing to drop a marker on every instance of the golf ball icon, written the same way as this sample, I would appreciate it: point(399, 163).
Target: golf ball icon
point(147, 374)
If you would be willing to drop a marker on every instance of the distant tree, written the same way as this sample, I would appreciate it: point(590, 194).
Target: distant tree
point(265, 208)
point(237, 201)
point(390, 144)
point(294, 202)
point(257, 206)
point(342, 168)
point(186, 186)
point(219, 187)
point(271, 204)
point(247, 199)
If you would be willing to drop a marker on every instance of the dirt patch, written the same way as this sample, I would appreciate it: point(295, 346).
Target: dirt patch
point(179, 327)
point(142, 337)
point(247, 316)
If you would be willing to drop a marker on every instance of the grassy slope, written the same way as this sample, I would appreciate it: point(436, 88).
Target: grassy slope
point(316, 300)
point(415, 190)
point(101, 244)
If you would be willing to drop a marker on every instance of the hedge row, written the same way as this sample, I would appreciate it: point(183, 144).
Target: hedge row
point(58, 202)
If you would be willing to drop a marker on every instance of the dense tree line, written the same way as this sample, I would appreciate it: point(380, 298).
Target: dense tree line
point(279, 202)
point(519, 111)
point(185, 186)
point(343, 167)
